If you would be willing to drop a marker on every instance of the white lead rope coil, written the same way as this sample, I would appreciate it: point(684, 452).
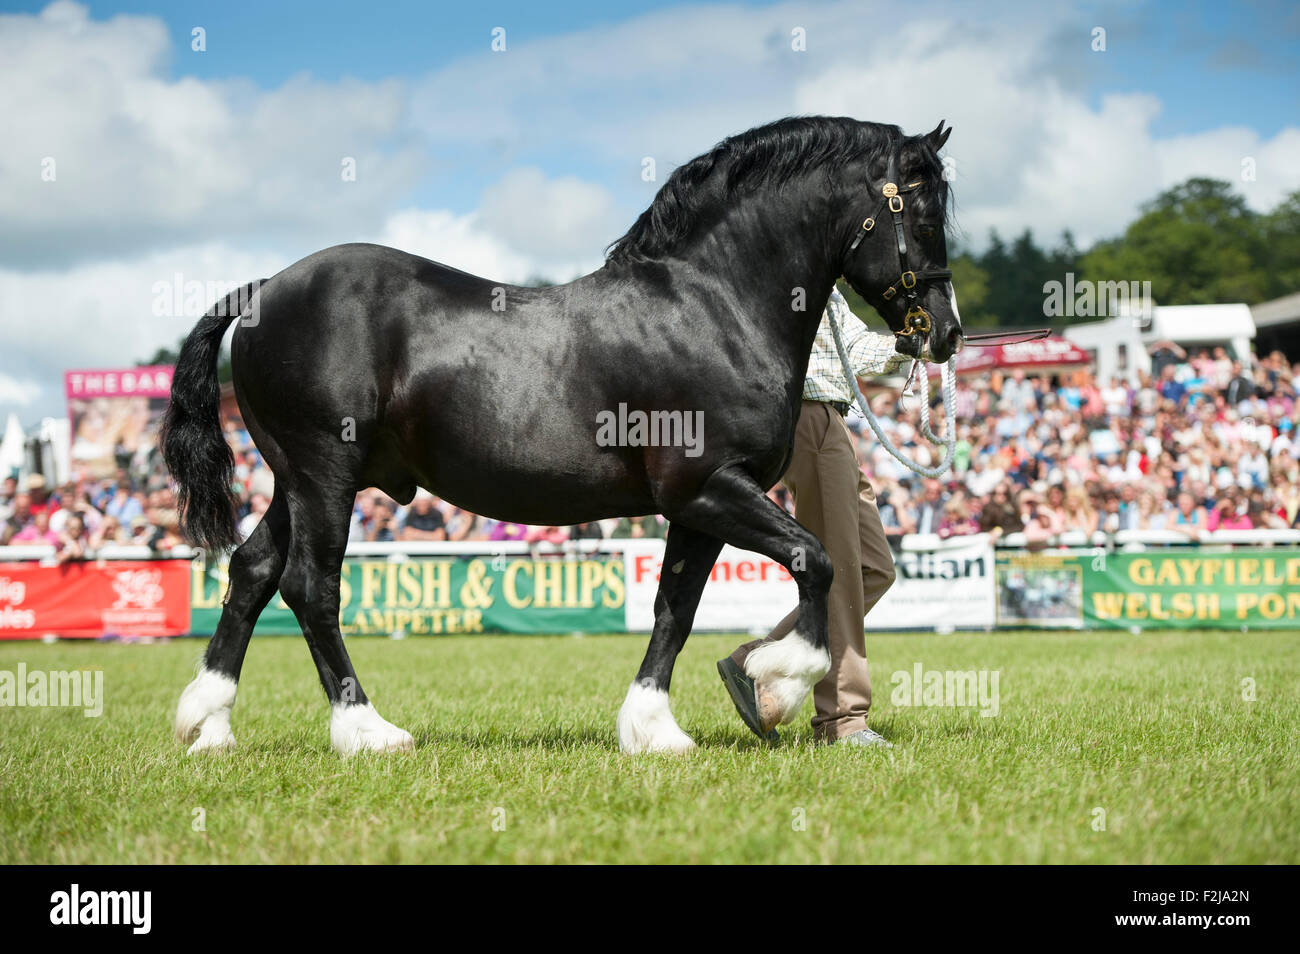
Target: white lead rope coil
point(949, 388)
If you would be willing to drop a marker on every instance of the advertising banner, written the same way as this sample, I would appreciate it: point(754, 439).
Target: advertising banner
point(113, 415)
point(433, 596)
point(1154, 589)
point(114, 598)
point(950, 587)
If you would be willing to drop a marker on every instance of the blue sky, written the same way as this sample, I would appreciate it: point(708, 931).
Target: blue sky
point(1208, 62)
point(224, 165)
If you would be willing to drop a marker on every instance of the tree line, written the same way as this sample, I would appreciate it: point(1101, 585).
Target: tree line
point(1197, 243)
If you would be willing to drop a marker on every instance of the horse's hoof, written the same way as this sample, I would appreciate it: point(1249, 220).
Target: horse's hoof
point(214, 739)
point(783, 672)
point(356, 729)
point(204, 710)
point(770, 711)
point(646, 724)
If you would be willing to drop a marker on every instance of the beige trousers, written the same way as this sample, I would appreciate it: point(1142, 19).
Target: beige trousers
point(833, 499)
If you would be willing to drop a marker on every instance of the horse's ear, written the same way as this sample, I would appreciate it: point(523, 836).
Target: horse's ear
point(940, 136)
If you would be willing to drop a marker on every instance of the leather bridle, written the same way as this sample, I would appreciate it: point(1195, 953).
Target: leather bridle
point(917, 319)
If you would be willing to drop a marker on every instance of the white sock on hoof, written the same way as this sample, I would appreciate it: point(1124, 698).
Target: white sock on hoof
point(203, 715)
point(359, 728)
point(784, 670)
point(645, 723)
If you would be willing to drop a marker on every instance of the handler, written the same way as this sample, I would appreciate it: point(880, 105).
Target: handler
point(834, 500)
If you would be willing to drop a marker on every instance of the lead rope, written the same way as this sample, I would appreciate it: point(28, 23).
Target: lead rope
point(949, 387)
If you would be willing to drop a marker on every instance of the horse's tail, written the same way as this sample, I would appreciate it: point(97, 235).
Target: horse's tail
point(193, 444)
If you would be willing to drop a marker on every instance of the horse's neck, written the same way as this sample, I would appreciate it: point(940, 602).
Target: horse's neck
point(765, 264)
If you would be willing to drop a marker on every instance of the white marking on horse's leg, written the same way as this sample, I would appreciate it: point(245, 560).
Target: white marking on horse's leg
point(645, 723)
point(359, 728)
point(203, 715)
point(783, 671)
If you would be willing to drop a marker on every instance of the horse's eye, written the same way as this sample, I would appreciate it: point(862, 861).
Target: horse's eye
point(925, 231)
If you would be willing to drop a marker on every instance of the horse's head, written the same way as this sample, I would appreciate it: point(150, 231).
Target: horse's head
point(897, 257)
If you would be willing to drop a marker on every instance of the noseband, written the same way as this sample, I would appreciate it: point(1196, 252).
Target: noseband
point(917, 318)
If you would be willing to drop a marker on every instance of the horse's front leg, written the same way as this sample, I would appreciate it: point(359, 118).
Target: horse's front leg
point(735, 509)
point(645, 722)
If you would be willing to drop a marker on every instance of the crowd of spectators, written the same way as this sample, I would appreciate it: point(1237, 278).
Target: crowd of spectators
point(1197, 445)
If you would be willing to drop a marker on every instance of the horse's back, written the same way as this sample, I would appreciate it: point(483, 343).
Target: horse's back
point(480, 391)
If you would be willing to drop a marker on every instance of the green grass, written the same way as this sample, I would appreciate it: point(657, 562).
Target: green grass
point(1153, 729)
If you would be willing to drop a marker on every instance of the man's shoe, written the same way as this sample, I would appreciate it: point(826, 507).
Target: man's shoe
point(741, 689)
point(865, 737)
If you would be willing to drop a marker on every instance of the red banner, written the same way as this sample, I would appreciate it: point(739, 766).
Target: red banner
point(118, 598)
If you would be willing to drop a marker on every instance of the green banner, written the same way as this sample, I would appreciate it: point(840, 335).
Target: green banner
point(433, 596)
point(1155, 589)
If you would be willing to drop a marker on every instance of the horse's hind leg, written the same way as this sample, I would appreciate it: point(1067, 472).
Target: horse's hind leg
point(203, 715)
point(319, 518)
point(645, 723)
point(734, 508)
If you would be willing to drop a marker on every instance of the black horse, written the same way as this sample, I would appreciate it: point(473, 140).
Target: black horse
point(365, 366)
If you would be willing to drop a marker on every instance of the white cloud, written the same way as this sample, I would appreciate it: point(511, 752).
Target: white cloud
point(19, 392)
point(141, 161)
point(553, 220)
point(106, 314)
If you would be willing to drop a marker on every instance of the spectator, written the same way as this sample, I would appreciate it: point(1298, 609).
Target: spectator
point(636, 528)
point(508, 531)
point(463, 525)
point(37, 531)
point(1229, 513)
point(555, 535)
point(382, 524)
point(1240, 386)
point(124, 505)
point(424, 521)
point(896, 513)
point(587, 531)
point(73, 541)
point(957, 521)
point(1000, 516)
point(258, 505)
point(20, 515)
point(108, 534)
point(1054, 508)
point(930, 511)
point(1078, 515)
point(1189, 516)
point(41, 501)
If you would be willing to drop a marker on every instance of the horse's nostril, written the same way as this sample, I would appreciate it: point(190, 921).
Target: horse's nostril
point(956, 341)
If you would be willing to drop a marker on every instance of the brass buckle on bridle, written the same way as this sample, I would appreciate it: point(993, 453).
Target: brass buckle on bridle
point(922, 324)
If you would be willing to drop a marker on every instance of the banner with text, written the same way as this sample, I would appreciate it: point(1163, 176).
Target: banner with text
point(432, 596)
point(114, 598)
point(1154, 589)
point(946, 588)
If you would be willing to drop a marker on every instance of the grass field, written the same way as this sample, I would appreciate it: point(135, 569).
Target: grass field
point(516, 759)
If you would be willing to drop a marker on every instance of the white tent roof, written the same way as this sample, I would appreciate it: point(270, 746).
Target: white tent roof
point(12, 449)
point(1193, 324)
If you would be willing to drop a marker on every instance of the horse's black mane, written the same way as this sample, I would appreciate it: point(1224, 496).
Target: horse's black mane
point(771, 155)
